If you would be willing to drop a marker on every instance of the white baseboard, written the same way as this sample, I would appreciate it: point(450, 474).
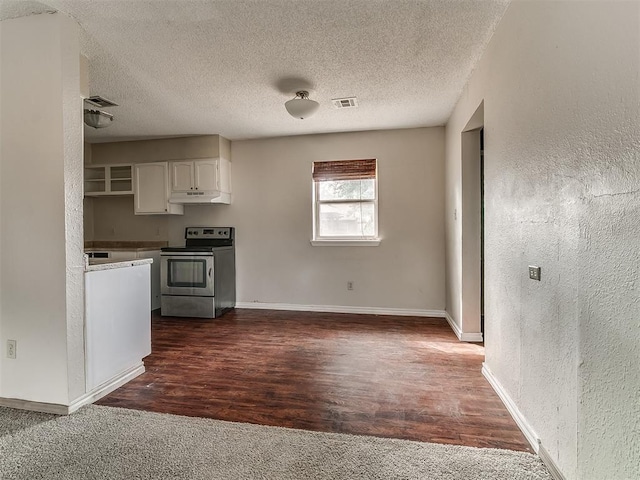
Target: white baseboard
point(550, 464)
point(54, 408)
point(107, 387)
point(406, 312)
point(522, 423)
point(86, 399)
point(454, 326)
point(463, 337)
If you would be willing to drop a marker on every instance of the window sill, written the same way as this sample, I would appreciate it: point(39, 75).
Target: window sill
point(346, 243)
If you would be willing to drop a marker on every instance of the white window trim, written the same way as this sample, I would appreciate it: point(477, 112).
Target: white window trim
point(374, 242)
point(346, 241)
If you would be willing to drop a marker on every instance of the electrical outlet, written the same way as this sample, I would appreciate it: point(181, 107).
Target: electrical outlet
point(11, 349)
point(534, 272)
point(349, 285)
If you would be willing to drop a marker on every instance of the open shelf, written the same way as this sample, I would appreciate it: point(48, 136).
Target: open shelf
point(108, 180)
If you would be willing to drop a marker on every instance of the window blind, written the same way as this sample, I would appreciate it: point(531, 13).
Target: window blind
point(344, 170)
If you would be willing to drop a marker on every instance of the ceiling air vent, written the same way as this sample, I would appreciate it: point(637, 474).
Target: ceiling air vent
point(99, 101)
point(349, 102)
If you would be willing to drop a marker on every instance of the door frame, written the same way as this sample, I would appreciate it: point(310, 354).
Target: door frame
point(471, 217)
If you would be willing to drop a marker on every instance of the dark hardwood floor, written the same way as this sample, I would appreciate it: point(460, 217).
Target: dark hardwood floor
point(401, 377)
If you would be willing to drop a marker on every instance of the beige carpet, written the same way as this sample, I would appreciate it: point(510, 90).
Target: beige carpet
point(112, 443)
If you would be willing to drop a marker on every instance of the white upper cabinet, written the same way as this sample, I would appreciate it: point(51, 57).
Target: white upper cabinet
point(182, 176)
point(205, 173)
point(195, 175)
point(202, 181)
point(151, 195)
point(108, 180)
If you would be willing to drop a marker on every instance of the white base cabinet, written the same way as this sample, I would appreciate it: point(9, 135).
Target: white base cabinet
point(124, 255)
point(117, 322)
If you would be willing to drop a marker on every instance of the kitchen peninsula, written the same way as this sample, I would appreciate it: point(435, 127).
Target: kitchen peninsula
point(117, 321)
point(116, 251)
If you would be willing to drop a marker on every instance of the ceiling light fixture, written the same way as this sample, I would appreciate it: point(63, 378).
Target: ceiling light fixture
point(97, 118)
point(302, 106)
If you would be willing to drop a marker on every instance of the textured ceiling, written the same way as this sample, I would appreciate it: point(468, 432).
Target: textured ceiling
point(189, 67)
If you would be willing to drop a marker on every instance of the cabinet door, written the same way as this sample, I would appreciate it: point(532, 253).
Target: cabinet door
point(181, 176)
point(151, 187)
point(206, 175)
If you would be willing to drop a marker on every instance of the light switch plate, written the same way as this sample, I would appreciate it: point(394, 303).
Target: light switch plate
point(534, 272)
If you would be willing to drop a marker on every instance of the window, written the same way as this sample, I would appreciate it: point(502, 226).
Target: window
point(345, 202)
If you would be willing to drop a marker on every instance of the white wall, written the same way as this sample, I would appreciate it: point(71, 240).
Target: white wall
point(113, 219)
point(272, 210)
point(561, 90)
point(272, 213)
point(2, 337)
point(41, 210)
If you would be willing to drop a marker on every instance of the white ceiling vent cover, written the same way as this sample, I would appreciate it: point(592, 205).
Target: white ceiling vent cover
point(349, 102)
point(98, 101)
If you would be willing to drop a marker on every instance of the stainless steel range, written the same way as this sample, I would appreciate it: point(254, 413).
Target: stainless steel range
point(199, 279)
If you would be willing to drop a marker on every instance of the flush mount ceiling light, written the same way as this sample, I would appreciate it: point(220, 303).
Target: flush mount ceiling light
point(97, 118)
point(302, 106)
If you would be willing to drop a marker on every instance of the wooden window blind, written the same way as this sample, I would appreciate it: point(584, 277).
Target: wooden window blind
point(344, 170)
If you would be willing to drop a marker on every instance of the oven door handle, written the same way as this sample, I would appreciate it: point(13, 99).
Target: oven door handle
point(186, 254)
point(210, 272)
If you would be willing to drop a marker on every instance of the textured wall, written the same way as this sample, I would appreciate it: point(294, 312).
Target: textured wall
point(41, 210)
point(560, 83)
point(2, 337)
point(74, 81)
point(272, 211)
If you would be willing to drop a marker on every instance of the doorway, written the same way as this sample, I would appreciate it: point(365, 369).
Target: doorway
point(472, 228)
point(482, 231)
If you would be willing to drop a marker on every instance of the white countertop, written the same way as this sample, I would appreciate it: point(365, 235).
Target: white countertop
point(122, 249)
point(97, 264)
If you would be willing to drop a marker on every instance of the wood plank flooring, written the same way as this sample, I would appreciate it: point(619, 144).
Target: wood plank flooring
point(400, 377)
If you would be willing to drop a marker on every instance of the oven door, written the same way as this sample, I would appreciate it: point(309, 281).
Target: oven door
point(187, 274)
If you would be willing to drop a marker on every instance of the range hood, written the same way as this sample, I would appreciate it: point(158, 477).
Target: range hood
point(200, 197)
